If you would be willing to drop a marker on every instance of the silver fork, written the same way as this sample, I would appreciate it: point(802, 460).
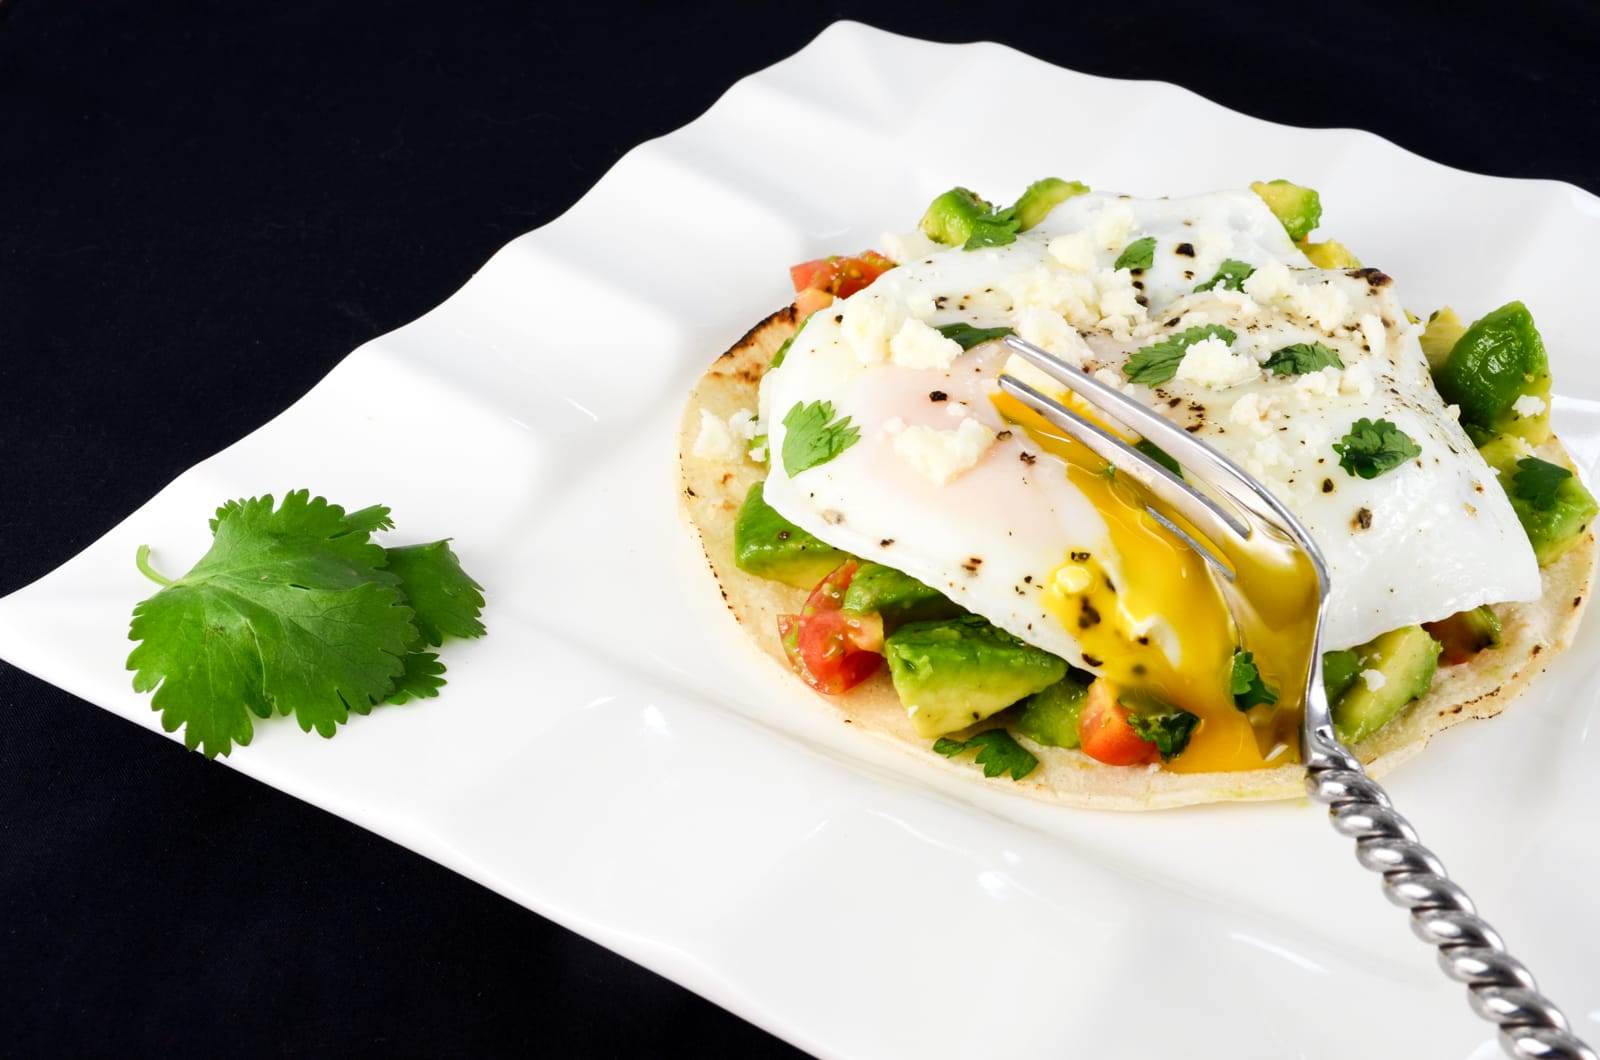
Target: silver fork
point(1499, 987)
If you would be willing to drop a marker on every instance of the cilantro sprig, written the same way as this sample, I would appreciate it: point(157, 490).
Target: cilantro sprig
point(1246, 683)
point(966, 336)
point(1536, 481)
point(296, 610)
point(998, 752)
point(1169, 730)
point(1140, 254)
point(1230, 276)
point(812, 436)
point(1374, 447)
point(1301, 358)
point(1158, 362)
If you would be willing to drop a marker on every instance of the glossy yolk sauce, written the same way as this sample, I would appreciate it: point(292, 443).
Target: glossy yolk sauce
point(1159, 624)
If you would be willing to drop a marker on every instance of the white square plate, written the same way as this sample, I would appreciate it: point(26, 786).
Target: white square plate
point(615, 758)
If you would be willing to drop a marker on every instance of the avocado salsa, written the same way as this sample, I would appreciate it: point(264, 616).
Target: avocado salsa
point(955, 672)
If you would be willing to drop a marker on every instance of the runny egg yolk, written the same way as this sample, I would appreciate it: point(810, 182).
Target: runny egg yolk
point(1152, 620)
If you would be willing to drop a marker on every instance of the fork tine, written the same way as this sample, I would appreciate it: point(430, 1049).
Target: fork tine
point(1200, 511)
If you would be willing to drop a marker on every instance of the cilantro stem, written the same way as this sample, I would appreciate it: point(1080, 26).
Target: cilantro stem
point(142, 559)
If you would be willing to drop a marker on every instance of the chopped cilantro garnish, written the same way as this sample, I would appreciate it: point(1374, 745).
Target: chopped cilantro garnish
point(1246, 684)
point(967, 336)
point(295, 610)
point(994, 229)
point(997, 751)
point(812, 436)
point(1373, 447)
point(783, 351)
point(1159, 455)
point(1230, 276)
point(1158, 362)
point(1302, 357)
point(1140, 254)
point(1536, 482)
point(1168, 730)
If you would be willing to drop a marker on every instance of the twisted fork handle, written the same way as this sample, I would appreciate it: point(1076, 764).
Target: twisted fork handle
point(1499, 987)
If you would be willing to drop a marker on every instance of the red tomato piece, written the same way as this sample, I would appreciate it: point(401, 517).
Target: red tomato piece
point(840, 276)
point(1104, 732)
point(832, 650)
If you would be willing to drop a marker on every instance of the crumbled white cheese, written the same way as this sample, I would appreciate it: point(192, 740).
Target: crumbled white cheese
point(716, 441)
point(1068, 293)
point(901, 247)
point(957, 409)
point(1374, 679)
point(1211, 363)
point(1270, 282)
point(1024, 371)
point(1050, 331)
point(759, 454)
point(1253, 413)
point(1357, 380)
point(1373, 333)
point(868, 325)
point(1119, 299)
point(1322, 383)
point(1244, 307)
point(1324, 303)
point(1073, 250)
point(1114, 224)
point(1073, 578)
point(1109, 378)
point(1518, 445)
point(1528, 406)
point(921, 305)
point(941, 455)
point(916, 345)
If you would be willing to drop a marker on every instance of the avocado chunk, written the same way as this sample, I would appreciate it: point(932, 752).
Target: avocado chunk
point(1444, 330)
point(1405, 660)
point(769, 546)
point(895, 597)
point(1496, 361)
point(1050, 716)
point(1299, 209)
point(1330, 254)
point(1554, 521)
point(952, 217)
point(1339, 670)
point(1464, 634)
point(953, 673)
point(1042, 196)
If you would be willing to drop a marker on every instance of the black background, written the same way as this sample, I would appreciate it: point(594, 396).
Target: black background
point(205, 206)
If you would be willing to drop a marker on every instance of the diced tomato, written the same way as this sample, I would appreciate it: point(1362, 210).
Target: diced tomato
point(840, 276)
point(1104, 732)
point(831, 649)
point(810, 300)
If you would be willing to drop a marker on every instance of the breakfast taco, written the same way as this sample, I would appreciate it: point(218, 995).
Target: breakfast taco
point(955, 575)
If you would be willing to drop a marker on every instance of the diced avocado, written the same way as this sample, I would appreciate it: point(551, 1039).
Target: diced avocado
point(895, 597)
point(1464, 634)
point(1551, 530)
point(953, 673)
point(1497, 360)
point(1444, 330)
point(1406, 659)
point(1299, 209)
point(1339, 670)
point(951, 217)
point(1050, 716)
point(1330, 254)
point(1042, 196)
point(769, 546)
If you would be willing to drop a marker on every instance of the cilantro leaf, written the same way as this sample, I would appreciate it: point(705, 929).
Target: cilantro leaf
point(445, 599)
point(998, 752)
point(1169, 730)
point(421, 679)
point(1373, 447)
point(812, 436)
point(783, 351)
point(1230, 276)
point(966, 336)
point(1246, 684)
point(1159, 455)
point(994, 229)
point(1140, 254)
point(290, 611)
point(1158, 362)
point(1536, 482)
point(1302, 357)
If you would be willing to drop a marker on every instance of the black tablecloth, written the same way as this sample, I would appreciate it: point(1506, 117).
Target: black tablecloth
point(206, 205)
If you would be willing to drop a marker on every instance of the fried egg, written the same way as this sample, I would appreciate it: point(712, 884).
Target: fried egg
point(966, 490)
